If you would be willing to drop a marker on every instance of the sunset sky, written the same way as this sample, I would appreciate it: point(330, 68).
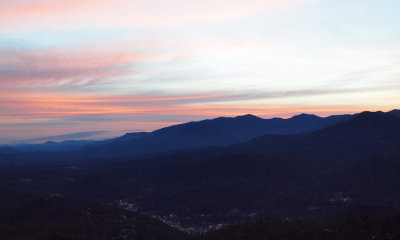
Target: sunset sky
point(119, 66)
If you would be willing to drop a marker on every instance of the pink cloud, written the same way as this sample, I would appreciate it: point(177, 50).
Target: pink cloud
point(54, 67)
point(18, 8)
point(127, 14)
point(54, 105)
point(41, 113)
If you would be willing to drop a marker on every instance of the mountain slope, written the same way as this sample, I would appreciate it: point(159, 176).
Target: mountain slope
point(366, 133)
point(68, 145)
point(272, 173)
point(395, 112)
point(216, 132)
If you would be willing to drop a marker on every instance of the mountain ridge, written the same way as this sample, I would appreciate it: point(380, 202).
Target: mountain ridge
point(276, 175)
point(222, 131)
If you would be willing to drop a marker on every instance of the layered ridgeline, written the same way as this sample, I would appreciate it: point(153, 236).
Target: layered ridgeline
point(367, 132)
point(275, 174)
point(214, 132)
point(221, 131)
point(355, 161)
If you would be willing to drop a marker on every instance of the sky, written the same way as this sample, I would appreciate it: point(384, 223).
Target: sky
point(70, 66)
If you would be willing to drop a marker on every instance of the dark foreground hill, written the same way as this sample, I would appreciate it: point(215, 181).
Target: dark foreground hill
point(351, 228)
point(51, 217)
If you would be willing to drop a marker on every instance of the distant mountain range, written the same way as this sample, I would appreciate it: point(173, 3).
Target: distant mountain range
point(68, 145)
point(215, 132)
point(367, 132)
point(395, 112)
point(277, 167)
point(278, 174)
point(221, 131)
point(59, 138)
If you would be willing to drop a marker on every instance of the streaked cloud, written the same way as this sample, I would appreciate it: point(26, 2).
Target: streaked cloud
point(99, 65)
point(55, 67)
point(126, 13)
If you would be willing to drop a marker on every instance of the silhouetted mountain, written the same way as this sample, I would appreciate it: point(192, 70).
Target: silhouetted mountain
point(58, 138)
point(69, 145)
point(395, 112)
point(368, 123)
point(129, 136)
point(216, 132)
point(365, 133)
point(277, 174)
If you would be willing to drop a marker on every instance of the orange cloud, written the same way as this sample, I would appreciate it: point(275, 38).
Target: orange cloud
point(51, 105)
point(32, 114)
